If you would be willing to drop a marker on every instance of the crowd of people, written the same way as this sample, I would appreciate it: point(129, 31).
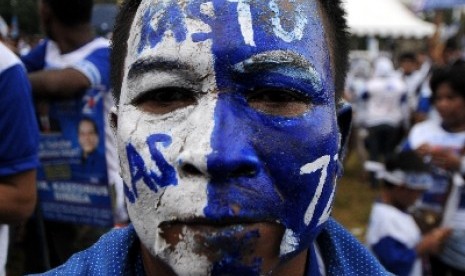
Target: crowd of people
point(207, 140)
point(66, 80)
point(417, 108)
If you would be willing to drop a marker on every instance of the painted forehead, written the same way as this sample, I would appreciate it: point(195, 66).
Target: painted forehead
point(238, 29)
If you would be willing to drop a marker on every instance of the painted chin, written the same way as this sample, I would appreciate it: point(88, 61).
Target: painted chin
point(254, 245)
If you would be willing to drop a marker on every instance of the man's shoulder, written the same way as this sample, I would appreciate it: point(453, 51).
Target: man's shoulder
point(115, 253)
point(386, 210)
point(425, 129)
point(428, 124)
point(343, 254)
point(97, 44)
point(8, 58)
point(99, 47)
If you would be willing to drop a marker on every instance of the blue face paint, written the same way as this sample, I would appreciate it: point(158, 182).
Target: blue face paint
point(262, 167)
point(273, 149)
point(231, 262)
point(171, 19)
point(139, 171)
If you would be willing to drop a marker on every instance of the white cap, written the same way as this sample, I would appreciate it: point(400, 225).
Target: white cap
point(411, 180)
point(383, 67)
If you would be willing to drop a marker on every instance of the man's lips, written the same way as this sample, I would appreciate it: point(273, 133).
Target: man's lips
point(228, 227)
point(214, 238)
point(218, 223)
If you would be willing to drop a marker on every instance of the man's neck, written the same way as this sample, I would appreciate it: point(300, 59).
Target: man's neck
point(70, 39)
point(454, 128)
point(153, 266)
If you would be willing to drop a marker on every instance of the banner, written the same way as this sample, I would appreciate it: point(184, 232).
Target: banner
point(72, 180)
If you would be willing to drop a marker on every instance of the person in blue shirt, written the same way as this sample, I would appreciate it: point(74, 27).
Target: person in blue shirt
point(230, 132)
point(69, 72)
point(18, 148)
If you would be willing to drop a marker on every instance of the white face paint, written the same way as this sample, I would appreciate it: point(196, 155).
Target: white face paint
point(188, 127)
point(271, 156)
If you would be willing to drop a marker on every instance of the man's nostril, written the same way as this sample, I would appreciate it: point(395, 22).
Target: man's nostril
point(244, 171)
point(190, 169)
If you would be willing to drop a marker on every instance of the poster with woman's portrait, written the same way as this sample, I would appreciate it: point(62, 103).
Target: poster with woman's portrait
point(73, 179)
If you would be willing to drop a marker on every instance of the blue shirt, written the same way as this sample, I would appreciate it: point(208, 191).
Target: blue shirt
point(118, 253)
point(18, 126)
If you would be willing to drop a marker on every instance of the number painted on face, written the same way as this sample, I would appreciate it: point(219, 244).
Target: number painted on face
point(288, 36)
point(322, 164)
point(138, 169)
point(158, 21)
point(245, 20)
point(264, 102)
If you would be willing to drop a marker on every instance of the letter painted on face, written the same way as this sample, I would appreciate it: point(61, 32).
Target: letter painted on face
point(227, 132)
point(165, 174)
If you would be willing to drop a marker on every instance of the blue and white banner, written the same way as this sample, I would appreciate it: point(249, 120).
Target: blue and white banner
point(72, 179)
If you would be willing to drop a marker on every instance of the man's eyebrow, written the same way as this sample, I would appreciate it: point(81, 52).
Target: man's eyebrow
point(154, 64)
point(282, 62)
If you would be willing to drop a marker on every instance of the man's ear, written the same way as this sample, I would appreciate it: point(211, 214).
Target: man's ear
point(344, 122)
point(113, 118)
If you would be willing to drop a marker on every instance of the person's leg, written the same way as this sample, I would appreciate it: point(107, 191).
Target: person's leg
point(35, 245)
point(389, 136)
point(60, 241)
point(372, 143)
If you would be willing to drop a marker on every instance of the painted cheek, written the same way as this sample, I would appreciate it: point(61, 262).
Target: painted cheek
point(279, 169)
point(274, 150)
point(305, 174)
point(151, 149)
point(239, 185)
point(302, 164)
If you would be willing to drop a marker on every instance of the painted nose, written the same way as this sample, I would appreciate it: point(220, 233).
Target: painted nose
point(231, 163)
point(225, 151)
point(233, 154)
point(222, 169)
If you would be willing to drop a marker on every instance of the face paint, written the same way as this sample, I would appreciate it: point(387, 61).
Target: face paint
point(257, 149)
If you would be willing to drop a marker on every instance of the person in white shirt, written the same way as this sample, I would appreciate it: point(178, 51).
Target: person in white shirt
point(443, 142)
point(386, 111)
point(393, 235)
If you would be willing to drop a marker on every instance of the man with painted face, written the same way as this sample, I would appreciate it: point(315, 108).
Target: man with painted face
point(229, 140)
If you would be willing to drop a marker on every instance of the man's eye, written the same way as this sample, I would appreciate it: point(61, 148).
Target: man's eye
point(279, 102)
point(165, 100)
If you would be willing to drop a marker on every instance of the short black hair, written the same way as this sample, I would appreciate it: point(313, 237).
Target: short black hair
point(71, 12)
point(453, 75)
point(407, 56)
point(452, 44)
point(338, 36)
point(91, 121)
point(406, 161)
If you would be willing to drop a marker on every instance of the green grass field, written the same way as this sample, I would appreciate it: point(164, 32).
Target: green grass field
point(354, 198)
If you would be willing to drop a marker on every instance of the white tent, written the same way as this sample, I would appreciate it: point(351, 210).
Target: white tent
point(385, 18)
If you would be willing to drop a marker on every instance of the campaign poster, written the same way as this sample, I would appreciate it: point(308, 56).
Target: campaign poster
point(72, 179)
